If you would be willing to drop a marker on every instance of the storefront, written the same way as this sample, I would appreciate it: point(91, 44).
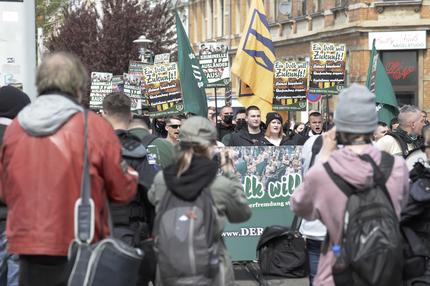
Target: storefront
point(400, 53)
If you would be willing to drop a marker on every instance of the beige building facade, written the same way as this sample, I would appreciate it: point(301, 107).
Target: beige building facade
point(400, 28)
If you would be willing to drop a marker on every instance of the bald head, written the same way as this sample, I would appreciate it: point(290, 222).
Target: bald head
point(62, 72)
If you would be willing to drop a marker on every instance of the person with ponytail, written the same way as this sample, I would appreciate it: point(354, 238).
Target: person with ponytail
point(196, 170)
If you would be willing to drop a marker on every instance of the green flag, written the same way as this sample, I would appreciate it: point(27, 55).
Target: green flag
point(379, 83)
point(192, 78)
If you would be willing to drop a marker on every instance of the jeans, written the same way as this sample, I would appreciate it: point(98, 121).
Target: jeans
point(9, 264)
point(314, 249)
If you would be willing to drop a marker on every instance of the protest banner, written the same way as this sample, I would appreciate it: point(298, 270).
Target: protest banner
point(136, 67)
point(269, 176)
point(101, 85)
point(215, 63)
point(163, 89)
point(162, 59)
point(290, 85)
point(327, 68)
point(132, 88)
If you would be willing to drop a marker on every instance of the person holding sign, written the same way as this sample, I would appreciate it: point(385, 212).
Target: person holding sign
point(274, 135)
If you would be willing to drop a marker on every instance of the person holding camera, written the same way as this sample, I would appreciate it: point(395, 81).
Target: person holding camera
point(194, 173)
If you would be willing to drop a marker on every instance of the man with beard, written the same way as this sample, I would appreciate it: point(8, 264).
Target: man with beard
point(406, 137)
point(173, 126)
point(226, 125)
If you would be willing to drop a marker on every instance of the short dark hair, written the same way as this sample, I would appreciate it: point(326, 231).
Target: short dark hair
point(117, 104)
point(382, 123)
point(315, 114)
point(174, 117)
point(395, 120)
point(345, 138)
point(251, 107)
point(240, 111)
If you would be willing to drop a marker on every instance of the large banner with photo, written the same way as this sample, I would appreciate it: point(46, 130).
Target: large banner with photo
point(269, 176)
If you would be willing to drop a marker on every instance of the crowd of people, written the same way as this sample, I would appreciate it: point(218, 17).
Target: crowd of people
point(139, 164)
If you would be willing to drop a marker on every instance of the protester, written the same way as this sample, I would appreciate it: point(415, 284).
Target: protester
point(252, 135)
point(298, 128)
point(194, 171)
point(159, 127)
point(318, 197)
point(380, 131)
point(12, 100)
point(424, 113)
point(274, 135)
point(212, 114)
point(133, 221)
point(296, 136)
point(226, 125)
point(313, 231)
point(416, 217)
point(173, 127)
point(41, 171)
point(240, 123)
point(315, 124)
point(164, 150)
point(407, 136)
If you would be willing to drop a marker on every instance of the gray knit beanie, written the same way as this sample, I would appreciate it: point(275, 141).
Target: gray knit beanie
point(356, 110)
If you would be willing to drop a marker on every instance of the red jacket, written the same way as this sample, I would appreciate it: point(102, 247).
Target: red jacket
point(41, 181)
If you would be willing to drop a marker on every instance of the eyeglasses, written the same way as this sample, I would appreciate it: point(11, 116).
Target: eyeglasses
point(174, 126)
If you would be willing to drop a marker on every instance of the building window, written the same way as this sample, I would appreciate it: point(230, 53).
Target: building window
point(300, 7)
point(402, 69)
point(317, 6)
point(283, 9)
point(341, 3)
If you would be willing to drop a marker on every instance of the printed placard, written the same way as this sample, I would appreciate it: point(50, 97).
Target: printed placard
point(162, 59)
point(215, 63)
point(269, 176)
point(290, 85)
point(327, 68)
point(101, 85)
point(163, 89)
point(132, 88)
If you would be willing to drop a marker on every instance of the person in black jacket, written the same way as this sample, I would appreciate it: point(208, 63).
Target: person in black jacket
point(12, 100)
point(251, 135)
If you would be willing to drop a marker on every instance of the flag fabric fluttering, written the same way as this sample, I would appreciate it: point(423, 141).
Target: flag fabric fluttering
point(193, 80)
point(379, 83)
point(255, 58)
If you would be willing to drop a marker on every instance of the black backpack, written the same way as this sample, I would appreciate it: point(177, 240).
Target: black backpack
point(139, 209)
point(282, 252)
point(370, 250)
point(415, 224)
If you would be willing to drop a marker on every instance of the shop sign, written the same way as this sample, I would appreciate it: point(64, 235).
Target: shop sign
point(404, 40)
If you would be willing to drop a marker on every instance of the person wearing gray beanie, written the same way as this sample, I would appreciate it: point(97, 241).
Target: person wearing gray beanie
point(346, 161)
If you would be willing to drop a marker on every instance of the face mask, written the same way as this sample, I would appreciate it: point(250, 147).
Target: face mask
point(240, 123)
point(228, 119)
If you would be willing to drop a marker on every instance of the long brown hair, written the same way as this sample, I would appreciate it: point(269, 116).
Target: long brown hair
point(187, 152)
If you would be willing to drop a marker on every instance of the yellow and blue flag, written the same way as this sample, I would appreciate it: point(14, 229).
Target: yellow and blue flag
point(255, 58)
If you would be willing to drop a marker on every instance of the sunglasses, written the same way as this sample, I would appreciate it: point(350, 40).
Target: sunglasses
point(174, 126)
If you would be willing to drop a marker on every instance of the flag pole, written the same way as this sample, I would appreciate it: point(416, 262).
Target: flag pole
point(216, 111)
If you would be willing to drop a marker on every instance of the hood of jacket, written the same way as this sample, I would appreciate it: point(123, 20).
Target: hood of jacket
point(351, 168)
point(188, 186)
point(47, 114)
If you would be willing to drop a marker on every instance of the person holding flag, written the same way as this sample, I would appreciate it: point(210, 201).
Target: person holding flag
point(255, 59)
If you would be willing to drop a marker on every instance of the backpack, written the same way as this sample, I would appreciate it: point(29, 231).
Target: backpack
point(402, 144)
point(370, 251)
point(139, 209)
point(185, 240)
point(415, 224)
point(282, 252)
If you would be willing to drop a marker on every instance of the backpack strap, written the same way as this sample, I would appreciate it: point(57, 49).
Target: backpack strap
point(148, 139)
point(343, 185)
point(402, 143)
point(316, 148)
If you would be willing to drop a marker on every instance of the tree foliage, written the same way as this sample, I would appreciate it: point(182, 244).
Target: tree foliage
point(104, 39)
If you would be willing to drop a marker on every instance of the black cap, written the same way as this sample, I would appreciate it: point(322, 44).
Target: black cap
point(12, 100)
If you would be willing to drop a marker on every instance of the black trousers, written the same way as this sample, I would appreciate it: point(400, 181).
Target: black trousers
point(40, 270)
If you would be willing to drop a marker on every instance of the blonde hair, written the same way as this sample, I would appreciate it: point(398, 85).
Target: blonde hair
point(186, 155)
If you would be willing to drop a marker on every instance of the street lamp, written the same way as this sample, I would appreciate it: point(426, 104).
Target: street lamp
point(145, 55)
